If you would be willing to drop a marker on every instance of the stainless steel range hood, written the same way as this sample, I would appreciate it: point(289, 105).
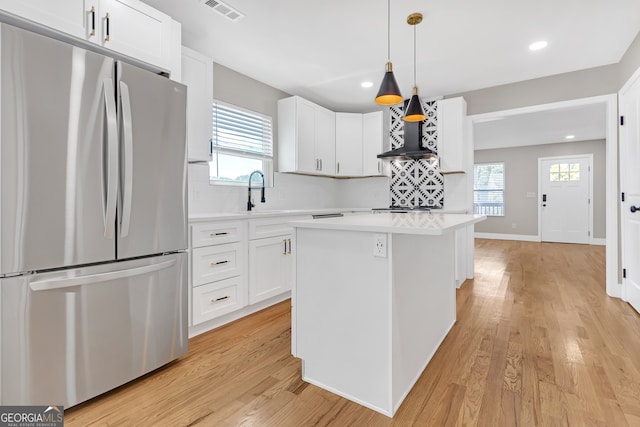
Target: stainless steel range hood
point(412, 148)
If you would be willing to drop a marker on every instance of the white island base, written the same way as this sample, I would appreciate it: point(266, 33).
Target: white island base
point(365, 326)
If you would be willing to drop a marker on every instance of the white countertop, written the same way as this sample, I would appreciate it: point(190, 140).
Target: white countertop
point(267, 213)
point(401, 223)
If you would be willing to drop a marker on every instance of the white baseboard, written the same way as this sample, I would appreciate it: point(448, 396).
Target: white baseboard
point(528, 238)
point(497, 236)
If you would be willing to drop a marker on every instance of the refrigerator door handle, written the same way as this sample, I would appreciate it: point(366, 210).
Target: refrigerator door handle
point(127, 131)
point(66, 282)
point(112, 158)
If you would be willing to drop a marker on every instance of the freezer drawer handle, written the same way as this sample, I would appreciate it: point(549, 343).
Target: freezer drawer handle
point(67, 282)
point(213, 264)
point(220, 299)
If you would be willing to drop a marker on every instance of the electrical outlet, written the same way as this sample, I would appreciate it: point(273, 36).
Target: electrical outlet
point(380, 245)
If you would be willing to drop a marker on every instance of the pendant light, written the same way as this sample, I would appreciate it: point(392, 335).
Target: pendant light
point(414, 112)
point(389, 93)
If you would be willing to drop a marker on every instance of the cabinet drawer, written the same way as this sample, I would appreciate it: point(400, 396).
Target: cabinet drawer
point(219, 262)
point(215, 299)
point(215, 233)
point(270, 227)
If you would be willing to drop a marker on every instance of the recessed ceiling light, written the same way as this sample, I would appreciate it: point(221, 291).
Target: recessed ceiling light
point(569, 137)
point(366, 84)
point(538, 45)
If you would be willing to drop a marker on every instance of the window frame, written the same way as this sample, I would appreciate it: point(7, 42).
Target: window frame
point(267, 160)
point(503, 189)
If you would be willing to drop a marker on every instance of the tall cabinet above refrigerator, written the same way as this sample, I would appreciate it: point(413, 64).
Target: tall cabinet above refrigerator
point(93, 221)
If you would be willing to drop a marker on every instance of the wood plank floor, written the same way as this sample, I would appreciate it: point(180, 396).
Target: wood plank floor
point(537, 342)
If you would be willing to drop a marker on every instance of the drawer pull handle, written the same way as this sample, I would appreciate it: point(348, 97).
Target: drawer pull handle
point(222, 233)
point(284, 252)
point(213, 264)
point(220, 299)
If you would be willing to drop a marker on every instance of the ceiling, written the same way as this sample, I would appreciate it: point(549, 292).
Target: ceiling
point(323, 50)
point(585, 123)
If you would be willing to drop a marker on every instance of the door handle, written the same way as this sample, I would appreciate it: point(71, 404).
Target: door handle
point(93, 21)
point(108, 30)
point(112, 158)
point(127, 132)
point(633, 209)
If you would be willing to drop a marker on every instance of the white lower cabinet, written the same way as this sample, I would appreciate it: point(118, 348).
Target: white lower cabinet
point(218, 269)
point(270, 267)
point(218, 298)
point(237, 264)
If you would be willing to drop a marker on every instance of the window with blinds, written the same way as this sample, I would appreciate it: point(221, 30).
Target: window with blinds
point(241, 142)
point(488, 189)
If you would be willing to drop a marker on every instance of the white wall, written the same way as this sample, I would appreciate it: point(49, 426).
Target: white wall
point(289, 192)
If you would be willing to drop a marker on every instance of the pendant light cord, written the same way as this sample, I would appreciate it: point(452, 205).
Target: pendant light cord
point(388, 30)
point(414, 56)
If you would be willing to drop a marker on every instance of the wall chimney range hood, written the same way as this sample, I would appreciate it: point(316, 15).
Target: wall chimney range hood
point(412, 148)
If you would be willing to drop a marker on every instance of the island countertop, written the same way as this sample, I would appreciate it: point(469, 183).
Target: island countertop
point(398, 223)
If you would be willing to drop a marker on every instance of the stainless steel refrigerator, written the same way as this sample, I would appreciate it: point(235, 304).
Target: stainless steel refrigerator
point(92, 221)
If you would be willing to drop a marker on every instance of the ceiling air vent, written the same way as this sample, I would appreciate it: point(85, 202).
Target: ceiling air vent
point(224, 9)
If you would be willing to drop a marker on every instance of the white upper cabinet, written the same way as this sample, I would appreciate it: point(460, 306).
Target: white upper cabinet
point(137, 30)
point(306, 137)
point(452, 141)
point(349, 144)
point(68, 16)
point(314, 140)
point(197, 74)
point(372, 143)
point(129, 27)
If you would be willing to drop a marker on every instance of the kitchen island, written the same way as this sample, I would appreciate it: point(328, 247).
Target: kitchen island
point(373, 298)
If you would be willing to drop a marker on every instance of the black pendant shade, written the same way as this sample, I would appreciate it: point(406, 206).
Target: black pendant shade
point(414, 112)
point(389, 93)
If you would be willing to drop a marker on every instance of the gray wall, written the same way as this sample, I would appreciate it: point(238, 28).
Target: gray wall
point(238, 89)
point(521, 176)
point(630, 62)
point(560, 87)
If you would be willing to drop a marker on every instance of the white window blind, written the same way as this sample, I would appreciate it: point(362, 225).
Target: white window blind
point(237, 130)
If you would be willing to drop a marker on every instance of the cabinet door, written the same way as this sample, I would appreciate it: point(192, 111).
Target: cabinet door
point(270, 267)
point(136, 30)
point(325, 146)
point(197, 74)
point(69, 16)
point(451, 135)
point(306, 159)
point(348, 144)
point(372, 137)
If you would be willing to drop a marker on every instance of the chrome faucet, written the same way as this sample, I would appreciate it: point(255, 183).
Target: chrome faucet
point(262, 199)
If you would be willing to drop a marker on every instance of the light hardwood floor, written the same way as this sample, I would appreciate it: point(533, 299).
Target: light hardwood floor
point(537, 342)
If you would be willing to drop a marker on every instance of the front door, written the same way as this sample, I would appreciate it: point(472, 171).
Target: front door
point(564, 199)
point(630, 183)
